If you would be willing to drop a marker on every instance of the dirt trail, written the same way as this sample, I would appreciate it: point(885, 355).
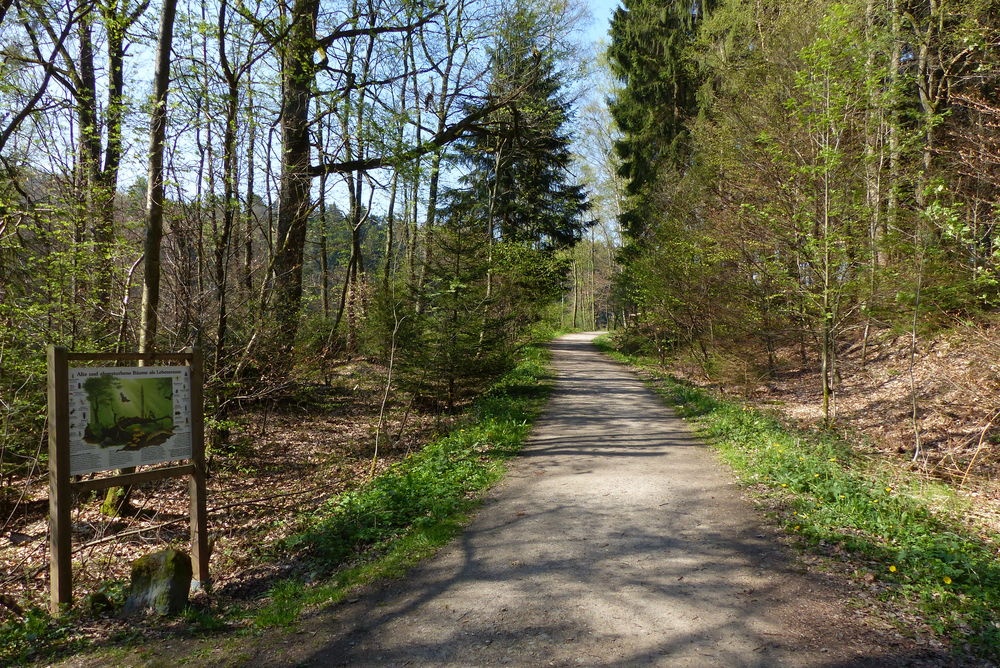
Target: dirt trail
point(617, 539)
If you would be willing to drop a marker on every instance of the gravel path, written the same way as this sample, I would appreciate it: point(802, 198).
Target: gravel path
point(616, 539)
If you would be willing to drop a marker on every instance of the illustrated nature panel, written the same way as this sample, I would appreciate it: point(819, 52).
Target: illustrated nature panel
point(123, 417)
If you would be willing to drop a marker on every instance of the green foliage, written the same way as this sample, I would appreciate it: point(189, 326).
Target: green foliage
point(204, 622)
point(480, 298)
point(35, 635)
point(892, 530)
point(49, 293)
point(649, 56)
point(283, 607)
point(518, 186)
point(807, 171)
point(463, 336)
point(925, 557)
point(22, 417)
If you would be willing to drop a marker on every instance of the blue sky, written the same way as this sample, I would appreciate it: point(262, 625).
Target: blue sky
point(601, 10)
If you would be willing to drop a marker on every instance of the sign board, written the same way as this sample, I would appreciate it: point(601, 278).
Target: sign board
point(108, 418)
point(125, 417)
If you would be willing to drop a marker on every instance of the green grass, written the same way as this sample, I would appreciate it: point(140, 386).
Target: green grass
point(896, 531)
point(20, 639)
point(404, 515)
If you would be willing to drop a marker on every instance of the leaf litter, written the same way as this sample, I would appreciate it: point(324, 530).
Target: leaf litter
point(284, 458)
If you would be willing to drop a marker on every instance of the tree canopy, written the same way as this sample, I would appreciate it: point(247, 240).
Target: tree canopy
point(804, 174)
point(287, 154)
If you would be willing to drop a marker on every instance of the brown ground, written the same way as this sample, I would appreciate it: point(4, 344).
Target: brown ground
point(287, 461)
point(956, 376)
point(617, 539)
point(288, 454)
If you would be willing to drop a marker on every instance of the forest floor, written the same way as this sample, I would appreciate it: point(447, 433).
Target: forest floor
point(617, 538)
point(953, 380)
point(283, 462)
point(286, 455)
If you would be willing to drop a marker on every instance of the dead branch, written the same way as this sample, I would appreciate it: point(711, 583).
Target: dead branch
point(154, 527)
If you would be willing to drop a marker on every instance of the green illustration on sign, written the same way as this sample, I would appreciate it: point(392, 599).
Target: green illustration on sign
point(129, 413)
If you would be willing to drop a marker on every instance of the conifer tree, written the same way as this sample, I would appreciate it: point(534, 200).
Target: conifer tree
point(647, 54)
point(519, 162)
point(493, 265)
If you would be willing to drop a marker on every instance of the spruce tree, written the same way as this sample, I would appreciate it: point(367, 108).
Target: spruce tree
point(649, 39)
point(493, 266)
point(518, 177)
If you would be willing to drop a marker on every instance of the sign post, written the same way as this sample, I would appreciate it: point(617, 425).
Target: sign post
point(107, 418)
point(60, 501)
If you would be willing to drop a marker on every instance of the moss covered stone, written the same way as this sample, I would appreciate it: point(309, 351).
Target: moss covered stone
point(160, 582)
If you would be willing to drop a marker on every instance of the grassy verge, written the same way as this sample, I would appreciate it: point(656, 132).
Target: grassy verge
point(897, 534)
point(407, 513)
point(378, 530)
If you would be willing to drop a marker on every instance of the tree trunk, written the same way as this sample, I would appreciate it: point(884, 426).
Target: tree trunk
point(297, 76)
point(249, 216)
point(154, 176)
point(223, 240)
point(117, 499)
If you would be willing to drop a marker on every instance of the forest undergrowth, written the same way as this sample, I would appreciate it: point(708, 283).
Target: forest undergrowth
point(937, 416)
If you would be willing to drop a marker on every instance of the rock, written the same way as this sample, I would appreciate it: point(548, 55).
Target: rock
point(160, 581)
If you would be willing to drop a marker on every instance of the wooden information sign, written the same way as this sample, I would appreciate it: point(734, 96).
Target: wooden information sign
point(111, 417)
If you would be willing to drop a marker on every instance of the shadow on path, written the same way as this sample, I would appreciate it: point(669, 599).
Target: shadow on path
point(617, 539)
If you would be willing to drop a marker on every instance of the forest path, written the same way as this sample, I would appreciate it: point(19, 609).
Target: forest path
point(616, 539)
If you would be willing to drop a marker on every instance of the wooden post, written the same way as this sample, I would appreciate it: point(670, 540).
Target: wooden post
point(196, 484)
point(60, 501)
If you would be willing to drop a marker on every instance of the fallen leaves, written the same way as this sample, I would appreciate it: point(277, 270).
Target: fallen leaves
point(283, 459)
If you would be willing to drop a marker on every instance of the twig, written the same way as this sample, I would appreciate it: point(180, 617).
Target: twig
point(915, 414)
point(266, 498)
point(979, 448)
point(388, 387)
point(132, 532)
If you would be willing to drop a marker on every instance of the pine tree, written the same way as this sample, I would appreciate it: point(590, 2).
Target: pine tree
point(519, 162)
point(492, 264)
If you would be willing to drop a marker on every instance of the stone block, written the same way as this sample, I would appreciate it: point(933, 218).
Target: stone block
point(160, 582)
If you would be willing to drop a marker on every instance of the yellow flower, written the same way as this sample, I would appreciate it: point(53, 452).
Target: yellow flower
point(833, 459)
point(815, 475)
point(947, 580)
point(888, 489)
point(892, 569)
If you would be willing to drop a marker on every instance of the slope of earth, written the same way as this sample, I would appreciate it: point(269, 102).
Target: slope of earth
point(952, 380)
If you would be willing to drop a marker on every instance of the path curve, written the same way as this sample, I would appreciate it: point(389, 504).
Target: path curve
point(616, 539)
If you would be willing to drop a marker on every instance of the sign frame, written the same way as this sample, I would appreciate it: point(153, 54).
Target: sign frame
point(62, 487)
